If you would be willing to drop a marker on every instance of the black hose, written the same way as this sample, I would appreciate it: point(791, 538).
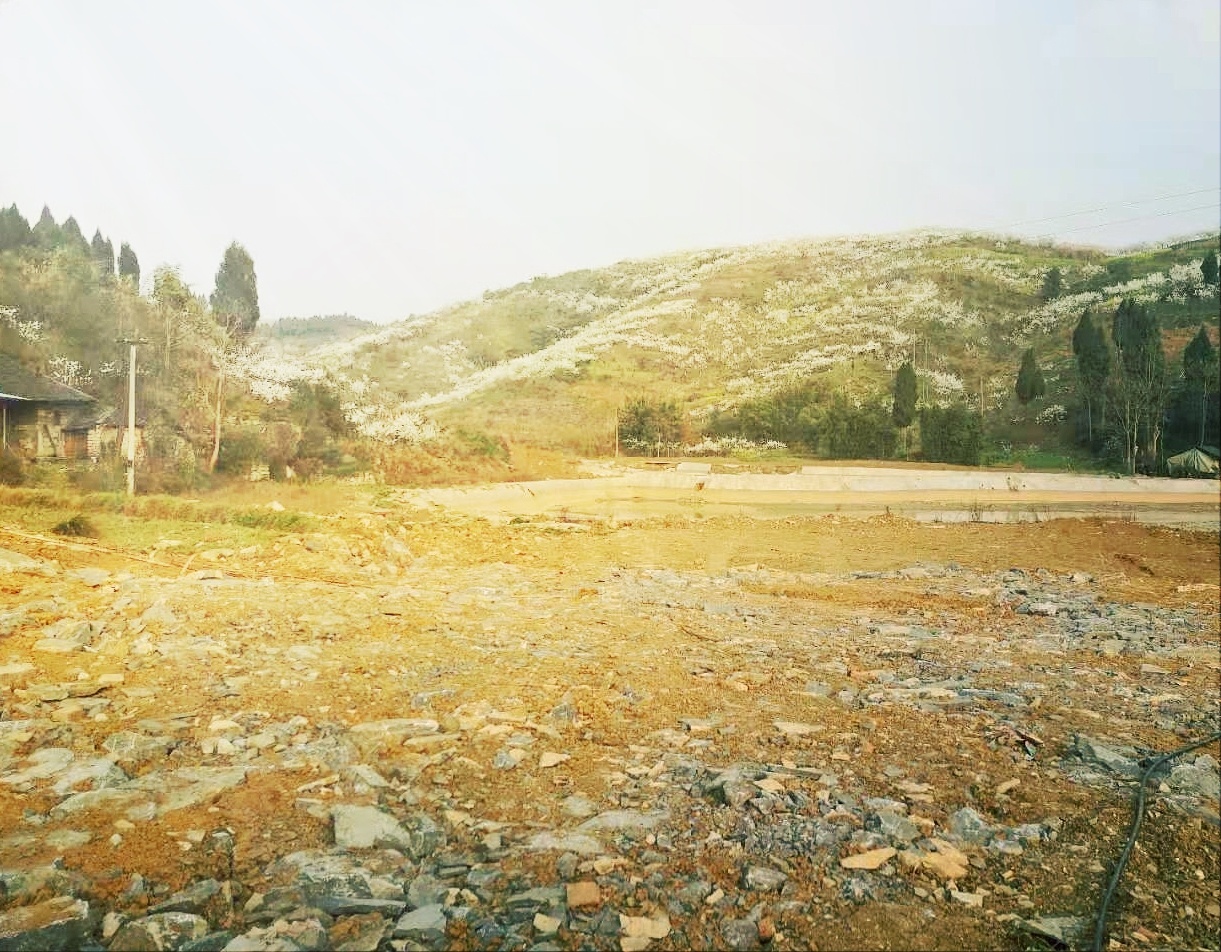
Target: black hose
point(1138, 819)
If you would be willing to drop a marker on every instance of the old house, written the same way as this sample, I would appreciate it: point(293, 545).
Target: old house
point(43, 419)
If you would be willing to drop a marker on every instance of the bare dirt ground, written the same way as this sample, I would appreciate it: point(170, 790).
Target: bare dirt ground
point(800, 731)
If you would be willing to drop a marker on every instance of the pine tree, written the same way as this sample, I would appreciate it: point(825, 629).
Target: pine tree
point(46, 233)
point(103, 253)
point(1093, 366)
point(71, 235)
point(1208, 267)
point(1200, 372)
point(235, 302)
point(129, 264)
point(1029, 379)
point(903, 410)
point(1053, 284)
point(14, 230)
point(1140, 379)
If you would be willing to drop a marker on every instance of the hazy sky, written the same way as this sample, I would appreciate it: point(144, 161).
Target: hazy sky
point(387, 158)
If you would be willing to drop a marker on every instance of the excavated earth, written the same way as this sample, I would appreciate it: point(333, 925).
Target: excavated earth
point(421, 730)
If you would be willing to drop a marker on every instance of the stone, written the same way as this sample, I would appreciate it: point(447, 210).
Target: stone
point(1096, 752)
point(1065, 931)
point(625, 821)
point(41, 765)
point(192, 785)
point(550, 759)
point(128, 747)
point(579, 807)
point(365, 827)
point(578, 843)
point(968, 825)
point(350, 906)
point(546, 925)
point(164, 931)
point(644, 927)
point(583, 894)
point(947, 862)
point(426, 890)
point(212, 942)
point(1195, 780)
point(795, 728)
point(55, 925)
point(93, 577)
point(1046, 609)
point(194, 899)
point(763, 879)
point(426, 924)
point(870, 859)
point(973, 900)
point(740, 935)
point(895, 827)
point(159, 613)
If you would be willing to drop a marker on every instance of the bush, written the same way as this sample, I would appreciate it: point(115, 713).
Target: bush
point(952, 435)
point(857, 432)
point(79, 526)
point(12, 470)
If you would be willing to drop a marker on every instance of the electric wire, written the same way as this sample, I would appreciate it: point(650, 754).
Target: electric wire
point(1110, 205)
point(1138, 819)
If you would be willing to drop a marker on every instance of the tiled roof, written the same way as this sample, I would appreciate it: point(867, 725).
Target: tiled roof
point(17, 383)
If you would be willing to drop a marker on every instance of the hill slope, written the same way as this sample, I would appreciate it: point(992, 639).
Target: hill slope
point(549, 361)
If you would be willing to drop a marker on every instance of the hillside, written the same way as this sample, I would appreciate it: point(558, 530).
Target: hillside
point(550, 361)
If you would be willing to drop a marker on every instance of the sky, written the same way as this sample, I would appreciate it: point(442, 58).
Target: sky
point(387, 158)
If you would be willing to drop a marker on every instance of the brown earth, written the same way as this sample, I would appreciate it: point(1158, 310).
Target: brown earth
point(531, 615)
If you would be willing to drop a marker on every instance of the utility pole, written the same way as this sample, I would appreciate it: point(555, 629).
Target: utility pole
point(131, 412)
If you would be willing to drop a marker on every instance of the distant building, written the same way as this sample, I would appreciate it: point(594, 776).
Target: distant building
point(43, 419)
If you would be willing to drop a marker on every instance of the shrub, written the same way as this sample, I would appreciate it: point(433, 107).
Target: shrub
point(78, 526)
point(12, 470)
point(952, 435)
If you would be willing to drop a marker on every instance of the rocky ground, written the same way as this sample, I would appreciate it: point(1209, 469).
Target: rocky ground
point(417, 730)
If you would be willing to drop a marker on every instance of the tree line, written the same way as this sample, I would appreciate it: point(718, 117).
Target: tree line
point(64, 302)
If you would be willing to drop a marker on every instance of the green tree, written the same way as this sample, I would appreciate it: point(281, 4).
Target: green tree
point(952, 435)
point(14, 230)
point(71, 235)
point(1140, 380)
point(1029, 379)
point(1093, 367)
point(1208, 267)
point(850, 432)
point(1053, 284)
point(235, 302)
point(129, 265)
point(1200, 371)
point(103, 253)
point(45, 232)
point(903, 410)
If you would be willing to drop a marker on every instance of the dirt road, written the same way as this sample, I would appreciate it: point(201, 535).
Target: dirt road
point(692, 489)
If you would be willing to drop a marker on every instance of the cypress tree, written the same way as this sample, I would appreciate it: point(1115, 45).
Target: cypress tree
point(129, 264)
point(1029, 379)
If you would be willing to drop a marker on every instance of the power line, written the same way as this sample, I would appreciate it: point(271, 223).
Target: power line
point(1110, 205)
point(1123, 221)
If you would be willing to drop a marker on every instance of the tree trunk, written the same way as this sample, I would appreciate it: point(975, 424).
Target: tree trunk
point(220, 392)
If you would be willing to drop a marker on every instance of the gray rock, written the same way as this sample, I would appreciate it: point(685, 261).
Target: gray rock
point(92, 577)
point(58, 924)
point(763, 879)
point(1195, 780)
point(740, 935)
point(364, 827)
point(212, 942)
point(128, 747)
point(1064, 931)
point(194, 899)
point(192, 785)
point(164, 931)
point(579, 807)
point(425, 890)
point(968, 825)
point(1116, 760)
point(426, 924)
point(348, 906)
point(625, 821)
point(159, 613)
point(895, 827)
